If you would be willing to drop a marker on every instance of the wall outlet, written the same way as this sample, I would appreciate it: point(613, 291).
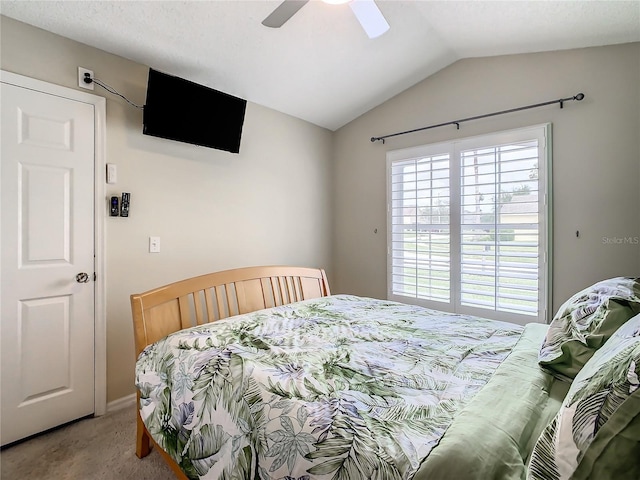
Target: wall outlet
point(82, 73)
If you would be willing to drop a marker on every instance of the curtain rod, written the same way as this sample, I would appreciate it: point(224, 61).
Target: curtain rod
point(457, 123)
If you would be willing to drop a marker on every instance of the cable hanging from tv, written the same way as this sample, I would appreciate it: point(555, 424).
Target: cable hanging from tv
point(457, 123)
point(111, 90)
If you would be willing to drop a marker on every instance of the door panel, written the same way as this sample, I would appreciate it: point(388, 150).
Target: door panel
point(45, 214)
point(43, 328)
point(47, 222)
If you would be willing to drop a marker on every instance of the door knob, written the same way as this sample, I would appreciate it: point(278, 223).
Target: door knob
point(82, 278)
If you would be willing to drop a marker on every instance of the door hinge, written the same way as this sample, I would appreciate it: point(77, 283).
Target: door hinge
point(95, 277)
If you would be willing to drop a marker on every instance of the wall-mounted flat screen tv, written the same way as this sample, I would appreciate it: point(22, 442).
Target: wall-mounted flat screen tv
point(178, 109)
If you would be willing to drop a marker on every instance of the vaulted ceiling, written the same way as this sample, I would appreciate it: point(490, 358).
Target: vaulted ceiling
point(321, 66)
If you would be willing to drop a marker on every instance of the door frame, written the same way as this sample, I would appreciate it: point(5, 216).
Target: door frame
point(99, 221)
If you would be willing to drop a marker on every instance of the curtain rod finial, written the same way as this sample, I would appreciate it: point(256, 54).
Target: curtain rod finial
point(579, 96)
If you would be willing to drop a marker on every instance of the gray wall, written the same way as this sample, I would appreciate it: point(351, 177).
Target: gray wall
point(213, 210)
point(596, 157)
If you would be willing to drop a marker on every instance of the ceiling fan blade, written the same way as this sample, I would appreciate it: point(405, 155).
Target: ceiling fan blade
point(283, 12)
point(370, 17)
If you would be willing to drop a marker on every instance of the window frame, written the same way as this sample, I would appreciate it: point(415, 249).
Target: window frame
point(453, 148)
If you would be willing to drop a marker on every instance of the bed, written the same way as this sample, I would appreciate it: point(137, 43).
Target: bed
point(261, 373)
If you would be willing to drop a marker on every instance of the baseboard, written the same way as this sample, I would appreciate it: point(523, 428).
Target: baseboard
point(121, 403)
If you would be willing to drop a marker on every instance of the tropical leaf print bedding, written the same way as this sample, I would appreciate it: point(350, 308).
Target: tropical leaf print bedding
point(340, 387)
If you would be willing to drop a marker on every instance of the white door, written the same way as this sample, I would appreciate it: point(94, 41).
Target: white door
point(47, 230)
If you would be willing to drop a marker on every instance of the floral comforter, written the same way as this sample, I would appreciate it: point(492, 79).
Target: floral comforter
point(341, 387)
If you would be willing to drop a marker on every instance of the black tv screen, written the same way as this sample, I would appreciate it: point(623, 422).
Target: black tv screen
point(188, 112)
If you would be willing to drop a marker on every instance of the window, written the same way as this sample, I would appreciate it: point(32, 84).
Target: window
point(467, 223)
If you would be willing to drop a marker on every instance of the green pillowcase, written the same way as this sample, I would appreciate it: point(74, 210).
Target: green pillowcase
point(585, 322)
point(596, 433)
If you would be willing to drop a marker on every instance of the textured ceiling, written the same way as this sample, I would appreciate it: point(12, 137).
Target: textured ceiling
point(320, 66)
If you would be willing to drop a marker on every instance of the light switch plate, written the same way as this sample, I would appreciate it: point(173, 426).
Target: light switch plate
point(154, 244)
point(112, 173)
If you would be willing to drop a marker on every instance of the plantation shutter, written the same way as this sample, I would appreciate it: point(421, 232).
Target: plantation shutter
point(420, 238)
point(499, 228)
point(468, 225)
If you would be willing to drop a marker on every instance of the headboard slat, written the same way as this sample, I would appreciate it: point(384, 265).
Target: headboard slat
point(220, 301)
point(197, 308)
point(232, 303)
point(277, 292)
point(267, 292)
point(185, 311)
point(284, 294)
point(208, 301)
point(290, 291)
point(296, 287)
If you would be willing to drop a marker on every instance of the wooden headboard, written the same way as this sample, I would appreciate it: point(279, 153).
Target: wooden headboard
point(208, 298)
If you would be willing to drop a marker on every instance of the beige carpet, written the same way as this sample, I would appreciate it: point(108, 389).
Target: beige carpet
point(101, 448)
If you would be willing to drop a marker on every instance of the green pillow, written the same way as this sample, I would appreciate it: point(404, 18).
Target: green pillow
point(585, 322)
point(596, 433)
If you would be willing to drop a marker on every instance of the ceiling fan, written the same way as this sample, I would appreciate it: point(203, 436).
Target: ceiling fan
point(366, 11)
